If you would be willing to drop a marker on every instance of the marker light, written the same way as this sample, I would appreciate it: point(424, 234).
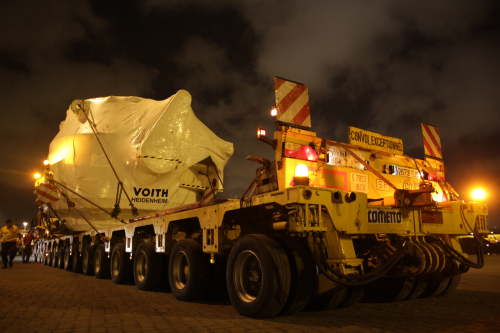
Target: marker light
point(274, 112)
point(478, 194)
point(301, 171)
point(260, 132)
point(46, 162)
point(37, 175)
point(261, 135)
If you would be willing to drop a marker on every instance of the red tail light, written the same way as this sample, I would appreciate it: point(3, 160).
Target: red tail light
point(301, 152)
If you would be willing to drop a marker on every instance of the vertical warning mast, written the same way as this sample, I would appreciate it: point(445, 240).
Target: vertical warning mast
point(432, 141)
point(292, 102)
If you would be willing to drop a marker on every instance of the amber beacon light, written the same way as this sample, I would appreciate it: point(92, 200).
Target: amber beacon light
point(301, 175)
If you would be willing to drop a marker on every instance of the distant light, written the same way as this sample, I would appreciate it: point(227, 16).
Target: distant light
point(478, 194)
point(274, 112)
point(46, 162)
point(37, 175)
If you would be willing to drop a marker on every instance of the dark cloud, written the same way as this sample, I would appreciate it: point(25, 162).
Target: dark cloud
point(383, 66)
point(39, 78)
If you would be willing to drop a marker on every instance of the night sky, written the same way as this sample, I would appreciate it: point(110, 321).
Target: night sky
point(383, 66)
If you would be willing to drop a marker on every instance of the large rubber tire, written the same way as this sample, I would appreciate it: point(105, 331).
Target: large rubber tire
point(147, 267)
point(353, 296)
point(418, 287)
point(77, 260)
point(68, 259)
point(88, 260)
point(454, 281)
point(51, 257)
point(101, 263)
point(389, 289)
point(327, 301)
point(435, 289)
point(35, 252)
point(258, 276)
point(188, 271)
point(55, 257)
point(301, 274)
point(60, 258)
point(120, 266)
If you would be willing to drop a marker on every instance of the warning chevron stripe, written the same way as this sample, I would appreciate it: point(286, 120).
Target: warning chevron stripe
point(432, 141)
point(46, 193)
point(292, 102)
point(193, 186)
point(208, 195)
point(164, 159)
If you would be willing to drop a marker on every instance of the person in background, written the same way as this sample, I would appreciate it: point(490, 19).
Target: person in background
point(27, 246)
point(10, 237)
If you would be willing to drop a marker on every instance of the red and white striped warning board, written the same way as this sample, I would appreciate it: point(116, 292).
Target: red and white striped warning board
point(432, 141)
point(209, 195)
point(292, 102)
point(46, 193)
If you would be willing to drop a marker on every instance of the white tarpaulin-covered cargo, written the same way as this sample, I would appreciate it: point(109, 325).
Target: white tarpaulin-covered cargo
point(161, 152)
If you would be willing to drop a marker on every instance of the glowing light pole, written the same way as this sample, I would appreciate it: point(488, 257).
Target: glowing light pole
point(25, 224)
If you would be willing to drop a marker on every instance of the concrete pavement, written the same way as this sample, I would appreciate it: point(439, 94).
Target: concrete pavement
point(38, 298)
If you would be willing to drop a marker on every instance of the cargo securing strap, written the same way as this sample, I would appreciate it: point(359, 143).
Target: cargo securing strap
point(71, 204)
point(116, 210)
point(163, 159)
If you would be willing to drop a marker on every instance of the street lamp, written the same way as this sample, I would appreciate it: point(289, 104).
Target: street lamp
point(25, 224)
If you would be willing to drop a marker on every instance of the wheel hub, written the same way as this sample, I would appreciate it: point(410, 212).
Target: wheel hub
point(254, 276)
point(180, 270)
point(247, 276)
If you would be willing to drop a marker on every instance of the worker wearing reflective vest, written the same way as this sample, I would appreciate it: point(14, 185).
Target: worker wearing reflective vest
point(10, 239)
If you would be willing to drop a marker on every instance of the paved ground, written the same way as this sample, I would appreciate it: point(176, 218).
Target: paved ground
point(37, 298)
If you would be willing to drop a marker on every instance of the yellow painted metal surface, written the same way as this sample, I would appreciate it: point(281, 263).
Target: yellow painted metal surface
point(375, 141)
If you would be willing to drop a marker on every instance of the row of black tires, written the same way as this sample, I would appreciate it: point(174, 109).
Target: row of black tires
point(263, 276)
